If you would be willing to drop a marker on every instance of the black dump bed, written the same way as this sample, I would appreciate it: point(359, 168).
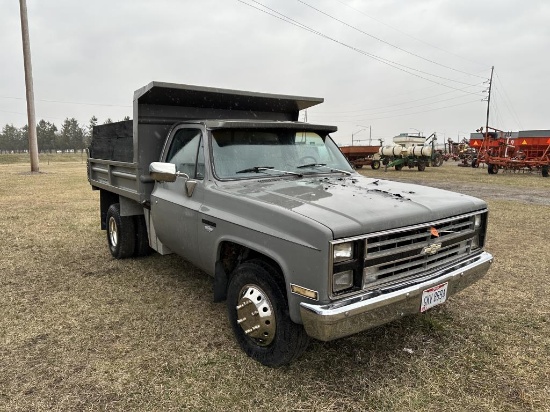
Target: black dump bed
point(133, 145)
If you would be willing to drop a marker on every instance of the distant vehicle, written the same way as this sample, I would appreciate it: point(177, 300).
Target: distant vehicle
point(411, 151)
point(298, 244)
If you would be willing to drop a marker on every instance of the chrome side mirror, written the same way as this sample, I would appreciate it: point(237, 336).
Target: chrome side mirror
point(165, 172)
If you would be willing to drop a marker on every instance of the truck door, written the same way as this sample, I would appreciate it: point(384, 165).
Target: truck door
point(174, 213)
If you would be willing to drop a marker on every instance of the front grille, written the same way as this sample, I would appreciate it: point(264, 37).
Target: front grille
point(404, 254)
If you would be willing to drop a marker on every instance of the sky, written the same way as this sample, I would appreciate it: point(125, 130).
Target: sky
point(383, 67)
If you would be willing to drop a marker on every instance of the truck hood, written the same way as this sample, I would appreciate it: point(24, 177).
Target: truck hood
point(354, 205)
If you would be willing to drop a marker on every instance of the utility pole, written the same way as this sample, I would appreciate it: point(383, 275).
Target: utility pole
point(488, 102)
point(33, 144)
point(370, 135)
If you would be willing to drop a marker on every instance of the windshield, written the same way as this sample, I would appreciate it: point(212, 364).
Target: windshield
point(245, 153)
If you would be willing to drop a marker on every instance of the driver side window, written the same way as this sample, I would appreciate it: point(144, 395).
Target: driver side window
point(187, 153)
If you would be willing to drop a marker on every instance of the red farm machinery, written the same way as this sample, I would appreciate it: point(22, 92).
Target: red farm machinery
point(523, 151)
point(360, 156)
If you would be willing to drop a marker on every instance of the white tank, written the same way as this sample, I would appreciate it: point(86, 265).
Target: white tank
point(421, 151)
point(391, 150)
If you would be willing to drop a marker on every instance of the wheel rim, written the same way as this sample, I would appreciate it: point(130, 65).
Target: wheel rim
point(113, 232)
point(255, 315)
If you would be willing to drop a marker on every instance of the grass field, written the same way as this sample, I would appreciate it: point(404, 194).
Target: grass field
point(82, 331)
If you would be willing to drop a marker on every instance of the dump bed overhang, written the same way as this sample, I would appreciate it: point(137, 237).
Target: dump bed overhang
point(216, 103)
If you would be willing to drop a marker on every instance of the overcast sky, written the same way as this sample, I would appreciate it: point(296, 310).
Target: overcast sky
point(382, 66)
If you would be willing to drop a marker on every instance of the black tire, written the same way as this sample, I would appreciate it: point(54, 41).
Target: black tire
point(256, 293)
point(375, 165)
point(544, 171)
point(398, 167)
point(475, 163)
point(142, 247)
point(358, 166)
point(492, 169)
point(421, 166)
point(121, 233)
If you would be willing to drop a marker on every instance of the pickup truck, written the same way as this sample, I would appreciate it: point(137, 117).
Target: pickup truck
point(299, 245)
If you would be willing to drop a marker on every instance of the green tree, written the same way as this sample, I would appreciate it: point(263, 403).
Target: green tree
point(71, 136)
point(90, 130)
point(12, 138)
point(46, 135)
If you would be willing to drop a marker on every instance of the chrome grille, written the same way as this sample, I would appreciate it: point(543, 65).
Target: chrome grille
point(396, 256)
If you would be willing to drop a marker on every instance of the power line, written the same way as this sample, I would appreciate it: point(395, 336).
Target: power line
point(390, 63)
point(407, 34)
point(407, 108)
point(506, 100)
point(405, 114)
point(398, 104)
point(385, 42)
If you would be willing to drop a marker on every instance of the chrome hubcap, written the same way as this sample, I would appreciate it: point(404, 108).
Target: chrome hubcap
point(255, 315)
point(113, 233)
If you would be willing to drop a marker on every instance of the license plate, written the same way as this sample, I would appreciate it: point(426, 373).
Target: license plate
point(433, 296)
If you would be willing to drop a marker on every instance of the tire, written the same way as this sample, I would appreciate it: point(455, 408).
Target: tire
point(492, 169)
point(544, 171)
point(358, 166)
point(375, 165)
point(475, 163)
point(421, 166)
point(398, 167)
point(121, 233)
point(256, 294)
point(142, 247)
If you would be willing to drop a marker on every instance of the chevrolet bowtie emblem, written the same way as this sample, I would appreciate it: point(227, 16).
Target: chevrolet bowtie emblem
point(431, 249)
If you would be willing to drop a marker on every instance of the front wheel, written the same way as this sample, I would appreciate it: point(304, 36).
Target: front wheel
point(121, 233)
point(258, 312)
point(375, 165)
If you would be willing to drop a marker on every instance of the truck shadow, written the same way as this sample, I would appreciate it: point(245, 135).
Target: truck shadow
point(391, 347)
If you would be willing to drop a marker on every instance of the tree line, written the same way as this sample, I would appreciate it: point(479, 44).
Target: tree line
point(71, 137)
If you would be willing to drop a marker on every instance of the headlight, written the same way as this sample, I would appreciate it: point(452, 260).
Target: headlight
point(475, 242)
point(343, 252)
point(477, 221)
point(342, 280)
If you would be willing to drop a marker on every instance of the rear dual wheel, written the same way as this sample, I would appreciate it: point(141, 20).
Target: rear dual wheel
point(126, 235)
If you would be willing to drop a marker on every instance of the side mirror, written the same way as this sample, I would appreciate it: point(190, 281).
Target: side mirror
point(163, 172)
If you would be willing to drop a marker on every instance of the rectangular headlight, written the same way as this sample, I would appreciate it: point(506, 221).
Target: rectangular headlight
point(477, 221)
point(342, 280)
point(343, 252)
point(475, 242)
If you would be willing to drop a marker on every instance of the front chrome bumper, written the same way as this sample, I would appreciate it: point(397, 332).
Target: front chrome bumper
point(365, 311)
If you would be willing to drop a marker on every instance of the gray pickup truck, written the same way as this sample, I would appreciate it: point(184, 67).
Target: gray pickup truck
point(298, 244)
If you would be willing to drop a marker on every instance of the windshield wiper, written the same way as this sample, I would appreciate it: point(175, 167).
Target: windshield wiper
point(258, 169)
point(255, 169)
point(311, 165)
point(323, 165)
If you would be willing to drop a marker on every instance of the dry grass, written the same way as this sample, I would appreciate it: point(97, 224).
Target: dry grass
point(82, 331)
